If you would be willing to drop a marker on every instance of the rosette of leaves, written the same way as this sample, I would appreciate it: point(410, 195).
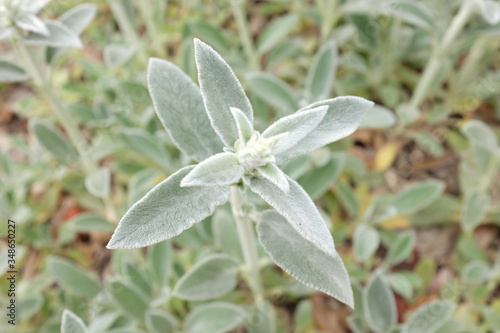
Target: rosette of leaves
point(214, 127)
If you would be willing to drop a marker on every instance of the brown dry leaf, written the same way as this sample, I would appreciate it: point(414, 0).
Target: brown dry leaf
point(329, 314)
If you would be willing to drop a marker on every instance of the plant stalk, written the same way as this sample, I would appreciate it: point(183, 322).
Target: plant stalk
point(438, 54)
point(247, 240)
point(245, 37)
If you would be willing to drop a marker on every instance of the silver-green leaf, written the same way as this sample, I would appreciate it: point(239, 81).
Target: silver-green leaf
point(221, 90)
point(10, 72)
point(430, 317)
point(379, 304)
point(321, 74)
point(219, 170)
point(303, 260)
point(71, 323)
point(166, 211)
point(215, 317)
point(98, 183)
point(179, 105)
point(59, 36)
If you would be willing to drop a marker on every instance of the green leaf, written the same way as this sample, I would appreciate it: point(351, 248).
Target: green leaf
point(219, 170)
point(317, 182)
point(210, 278)
point(76, 19)
point(480, 134)
point(430, 317)
point(298, 209)
point(303, 260)
point(475, 209)
point(32, 23)
point(489, 10)
point(34, 6)
point(158, 321)
point(476, 272)
point(225, 234)
point(401, 285)
point(29, 306)
point(412, 12)
point(10, 72)
point(160, 256)
point(366, 241)
point(73, 278)
point(322, 72)
point(275, 32)
point(342, 118)
point(245, 128)
point(273, 91)
point(129, 299)
point(166, 211)
point(379, 304)
point(71, 323)
point(418, 196)
point(347, 198)
point(51, 139)
point(89, 222)
point(99, 182)
point(379, 117)
point(221, 90)
point(59, 36)
point(401, 248)
point(210, 34)
point(138, 279)
point(428, 143)
point(297, 125)
point(116, 55)
point(274, 174)
point(261, 318)
point(179, 105)
point(215, 317)
point(145, 144)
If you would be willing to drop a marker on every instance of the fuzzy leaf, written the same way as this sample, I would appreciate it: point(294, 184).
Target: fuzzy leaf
point(342, 118)
point(210, 278)
point(59, 36)
point(321, 74)
point(10, 72)
point(366, 241)
point(179, 105)
point(298, 209)
point(489, 10)
point(215, 317)
point(318, 181)
point(71, 323)
point(221, 90)
point(34, 6)
point(275, 32)
point(76, 19)
point(245, 128)
point(116, 55)
point(273, 91)
point(413, 12)
point(274, 174)
point(51, 139)
point(297, 125)
point(166, 211)
point(430, 317)
point(32, 23)
point(475, 209)
point(418, 196)
point(379, 305)
point(129, 299)
point(401, 248)
point(89, 222)
point(301, 259)
point(225, 234)
point(158, 321)
point(218, 170)
point(378, 117)
point(72, 278)
point(98, 183)
point(145, 144)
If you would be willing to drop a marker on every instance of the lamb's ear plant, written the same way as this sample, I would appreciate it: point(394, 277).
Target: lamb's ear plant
point(214, 127)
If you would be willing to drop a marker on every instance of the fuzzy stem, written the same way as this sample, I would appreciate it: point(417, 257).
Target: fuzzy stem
point(439, 53)
point(245, 37)
point(247, 241)
point(152, 31)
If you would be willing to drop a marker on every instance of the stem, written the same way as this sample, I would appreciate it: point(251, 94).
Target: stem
point(247, 240)
point(152, 31)
point(439, 52)
point(35, 70)
point(126, 27)
point(245, 37)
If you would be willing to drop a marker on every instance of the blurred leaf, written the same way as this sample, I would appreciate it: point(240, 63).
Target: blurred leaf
point(160, 256)
point(138, 278)
point(413, 12)
point(210, 278)
point(301, 259)
point(10, 72)
point(59, 36)
point(303, 316)
point(98, 183)
point(379, 117)
point(273, 91)
point(401, 284)
point(158, 321)
point(480, 134)
point(51, 139)
point(379, 304)
point(225, 234)
point(348, 198)
point(275, 32)
point(476, 272)
point(28, 306)
point(73, 278)
point(317, 181)
point(116, 55)
point(210, 35)
point(215, 317)
point(89, 222)
point(366, 241)
point(418, 196)
point(475, 208)
point(129, 299)
point(386, 155)
point(146, 145)
point(261, 318)
point(71, 323)
point(430, 317)
point(428, 143)
point(321, 73)
point(401, 248)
